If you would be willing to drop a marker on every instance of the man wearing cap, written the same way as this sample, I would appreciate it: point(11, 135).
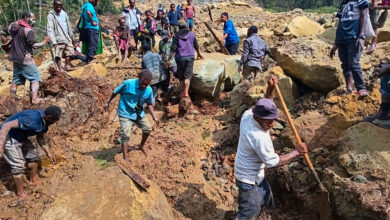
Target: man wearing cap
point(19, 150)
point(256, 152)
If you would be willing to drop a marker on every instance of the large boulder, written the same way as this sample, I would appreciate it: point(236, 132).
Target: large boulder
point(215, 73)
point(108, 194)
point(302, 26)
point(245, 95)
point(358, 183)
point(366, 149)
point(329, 35)
point(315, 129)
point(307, 60)
point(384, 34)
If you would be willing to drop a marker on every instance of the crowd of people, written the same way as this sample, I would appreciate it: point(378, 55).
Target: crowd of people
point(175, 56)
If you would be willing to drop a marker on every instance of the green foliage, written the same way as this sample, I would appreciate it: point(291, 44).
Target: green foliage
point(322, 6)
point(327, 9)
point(106, 6)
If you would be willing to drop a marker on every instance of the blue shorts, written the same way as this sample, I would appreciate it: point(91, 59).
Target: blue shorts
point(190, 22)
point(23, 72)
point(251, 198)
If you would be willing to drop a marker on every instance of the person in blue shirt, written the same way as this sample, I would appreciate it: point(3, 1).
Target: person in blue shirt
point(173, 17)
point(350, 41)
point(90, 33)
point(134, 93)
point(18, 150)
point(230, 36)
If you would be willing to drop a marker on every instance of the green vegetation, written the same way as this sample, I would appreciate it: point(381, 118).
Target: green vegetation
point(315, 6)
point(11, 10)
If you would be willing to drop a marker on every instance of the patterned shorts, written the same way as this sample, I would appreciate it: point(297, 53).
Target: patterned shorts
point(16, 154)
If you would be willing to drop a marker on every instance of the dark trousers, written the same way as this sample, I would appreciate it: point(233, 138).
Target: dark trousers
point(134, 33)
point(251, 198)
point(349, 54)
point(233, 48)
point(90, 37)
point(148, 40)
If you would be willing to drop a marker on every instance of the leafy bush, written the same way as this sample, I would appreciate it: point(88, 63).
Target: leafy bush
point(327, 9)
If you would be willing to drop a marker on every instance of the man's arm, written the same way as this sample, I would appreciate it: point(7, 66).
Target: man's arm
point(113, 95)
point(4, 132)
point(196, 46)
point(50, 29)
point(287, 158)
point(70, 29)
point(151, 109)
point(363, 20)
point(90, 18)
point(244, 56)
point(270, 89)
point(41, 139)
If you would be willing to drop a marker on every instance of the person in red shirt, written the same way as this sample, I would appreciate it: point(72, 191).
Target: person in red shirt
point(122, 39)
point(189, 14)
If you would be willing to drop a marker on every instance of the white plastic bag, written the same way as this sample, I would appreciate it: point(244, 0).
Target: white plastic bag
point(368, 30)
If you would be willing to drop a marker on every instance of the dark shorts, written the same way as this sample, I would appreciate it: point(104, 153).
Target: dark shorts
point(185, 68)
point(233, 48)
point(251, 198)
point(23, 72)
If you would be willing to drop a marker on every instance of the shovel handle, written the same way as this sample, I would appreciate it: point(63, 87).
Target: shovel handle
point(295, 132)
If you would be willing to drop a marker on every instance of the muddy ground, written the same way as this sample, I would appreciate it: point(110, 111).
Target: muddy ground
point(190, 157)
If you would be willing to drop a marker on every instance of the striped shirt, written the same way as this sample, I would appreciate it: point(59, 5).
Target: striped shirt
point(349, 15)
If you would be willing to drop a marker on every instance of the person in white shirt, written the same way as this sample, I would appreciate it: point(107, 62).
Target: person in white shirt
point(133, 20)
point(256, 152)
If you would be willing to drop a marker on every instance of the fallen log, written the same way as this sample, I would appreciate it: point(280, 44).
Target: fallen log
point(130, 171)
point(223, 48)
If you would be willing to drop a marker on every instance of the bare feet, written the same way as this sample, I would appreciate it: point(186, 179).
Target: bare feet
point(37, 101)
point(371, 49)
point(363, 93)
point(142, 148)
point(22, 196)
point(69, 68)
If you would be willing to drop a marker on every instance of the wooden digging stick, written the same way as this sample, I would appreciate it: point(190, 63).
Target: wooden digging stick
point(211, 16)
point(294, 130)
point(223, 48)
point(134, 175)
point(381, 7)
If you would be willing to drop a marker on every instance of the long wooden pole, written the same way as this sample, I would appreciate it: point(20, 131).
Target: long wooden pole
point(295, 132)
point(223, 48)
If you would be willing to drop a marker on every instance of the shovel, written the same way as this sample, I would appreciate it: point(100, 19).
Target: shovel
point(324, 209)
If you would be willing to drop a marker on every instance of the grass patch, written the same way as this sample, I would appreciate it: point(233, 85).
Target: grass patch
point(323, 10)
point(105, 159)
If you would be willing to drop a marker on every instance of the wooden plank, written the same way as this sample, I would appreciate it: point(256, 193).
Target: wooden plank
point(131, 172)
point(381, 7)
point(211, 16)
point(223, 48)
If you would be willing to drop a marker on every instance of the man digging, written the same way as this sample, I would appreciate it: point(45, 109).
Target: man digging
point(19, 150)
point(255, 153)
point(134, 93)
